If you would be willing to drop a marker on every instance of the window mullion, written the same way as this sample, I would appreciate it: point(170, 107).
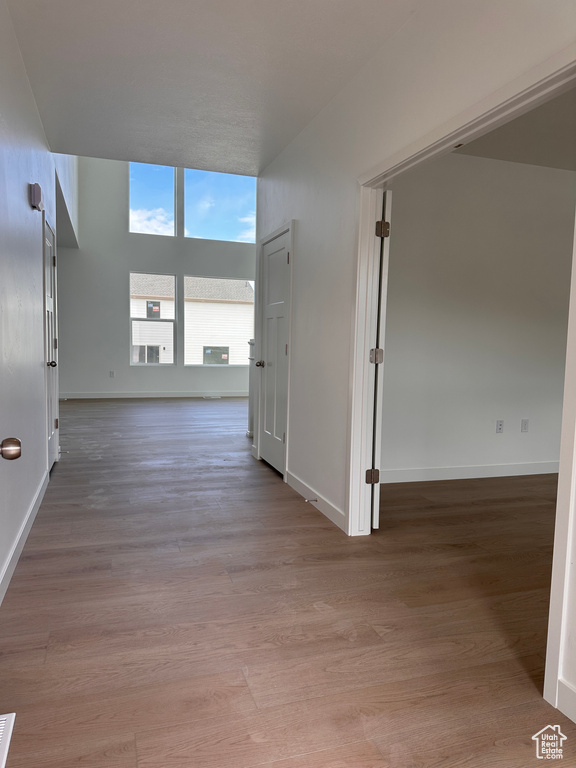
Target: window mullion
point(179, 201)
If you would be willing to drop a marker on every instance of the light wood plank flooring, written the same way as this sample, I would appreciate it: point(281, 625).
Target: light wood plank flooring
point(178, 606)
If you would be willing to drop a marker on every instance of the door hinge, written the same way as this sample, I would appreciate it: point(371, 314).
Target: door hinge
point(56, 423)
point(376, 356)
point(382, 229)
point(284, 437)
point(286, 348)
point(372, 476)
point(55, 343)
point(54, 261)
point(288, 257)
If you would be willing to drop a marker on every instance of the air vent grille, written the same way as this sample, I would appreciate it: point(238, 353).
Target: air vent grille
point(6, 725)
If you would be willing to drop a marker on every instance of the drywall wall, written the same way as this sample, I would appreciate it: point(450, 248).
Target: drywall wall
point(66, 199)
point(432, 77)
point(478, 292)
point(94, 302)
point(24, 158)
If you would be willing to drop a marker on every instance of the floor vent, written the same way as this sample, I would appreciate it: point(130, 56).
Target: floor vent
point(6, 725)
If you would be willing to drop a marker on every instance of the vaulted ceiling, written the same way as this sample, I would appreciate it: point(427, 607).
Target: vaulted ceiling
point(213, 84)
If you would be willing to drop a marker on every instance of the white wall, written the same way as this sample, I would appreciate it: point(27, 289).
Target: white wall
point(453, 60)
point(67, 199)
point(479, 280)
point(24, 158)
point(221, 324)
point(94, 296)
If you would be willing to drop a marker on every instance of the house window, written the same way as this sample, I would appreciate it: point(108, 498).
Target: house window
point(216, 355)
point(152, 199)
point(143, 353)
point(219, 206)
point(152, 318)
point(216, 206)
point(218, 321)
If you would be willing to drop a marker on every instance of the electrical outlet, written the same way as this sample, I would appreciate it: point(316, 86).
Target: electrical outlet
point(500, 426)
point(112, 374)
point(524, 425)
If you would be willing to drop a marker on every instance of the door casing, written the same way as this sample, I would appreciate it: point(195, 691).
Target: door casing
point(51, 344)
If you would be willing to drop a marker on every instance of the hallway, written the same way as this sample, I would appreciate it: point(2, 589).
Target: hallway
point(177, 604)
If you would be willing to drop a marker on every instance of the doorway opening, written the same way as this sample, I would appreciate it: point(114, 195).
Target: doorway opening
point(396, 178)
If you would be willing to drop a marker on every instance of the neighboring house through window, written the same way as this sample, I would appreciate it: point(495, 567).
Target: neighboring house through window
point(152, 318)
point(218, 321)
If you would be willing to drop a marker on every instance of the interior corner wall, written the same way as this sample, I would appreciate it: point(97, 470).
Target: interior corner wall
point(476, 322)
point(94, 296)
point(67, 199)
point(24, 159)
point(431, 77)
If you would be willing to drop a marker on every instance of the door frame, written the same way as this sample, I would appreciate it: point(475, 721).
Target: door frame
point(462, 129)
point(287, 228)
point(53, 455)
point(517, 98)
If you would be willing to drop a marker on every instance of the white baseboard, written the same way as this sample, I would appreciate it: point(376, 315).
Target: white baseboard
point(18, 546)
point(337, 516)
point(132, 395)
point(567, 699)
point(466, 472)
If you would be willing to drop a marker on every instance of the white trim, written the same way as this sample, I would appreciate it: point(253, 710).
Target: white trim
point(516, 98)
point(158, 395)
point(382, 284)
point(565, 516)
point(18, 546)
point(321, 503)
point(567, 699)
point(362, 376)
point(463, 472)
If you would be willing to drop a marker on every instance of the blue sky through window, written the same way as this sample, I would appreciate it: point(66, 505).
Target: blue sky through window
point(218, 206)
point(151, 199)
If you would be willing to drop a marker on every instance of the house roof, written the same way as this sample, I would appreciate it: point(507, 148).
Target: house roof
point(151, 285)
point(202, 288)
point(219, 290)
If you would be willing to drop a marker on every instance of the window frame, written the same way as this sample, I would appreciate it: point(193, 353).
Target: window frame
point(153, 320)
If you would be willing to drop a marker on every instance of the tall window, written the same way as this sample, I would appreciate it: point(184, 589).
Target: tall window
point(152, 316)
point(219, 206)
point(152, 199)
point(216, 206)
point(218, 321)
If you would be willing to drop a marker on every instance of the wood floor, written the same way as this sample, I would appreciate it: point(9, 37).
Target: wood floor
point(178, 605)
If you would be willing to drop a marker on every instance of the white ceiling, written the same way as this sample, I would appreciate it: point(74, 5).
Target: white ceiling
point(544, 136)
point(214, 84)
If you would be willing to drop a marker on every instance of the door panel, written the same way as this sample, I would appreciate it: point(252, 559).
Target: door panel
point(274, 372)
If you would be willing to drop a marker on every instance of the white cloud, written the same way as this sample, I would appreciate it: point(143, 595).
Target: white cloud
point(248, 234)
point(204, 204)
point(156, 221)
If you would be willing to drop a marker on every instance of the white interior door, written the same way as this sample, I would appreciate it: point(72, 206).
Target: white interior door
point(273, 363)
point(379, 344)
point(51, 345)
